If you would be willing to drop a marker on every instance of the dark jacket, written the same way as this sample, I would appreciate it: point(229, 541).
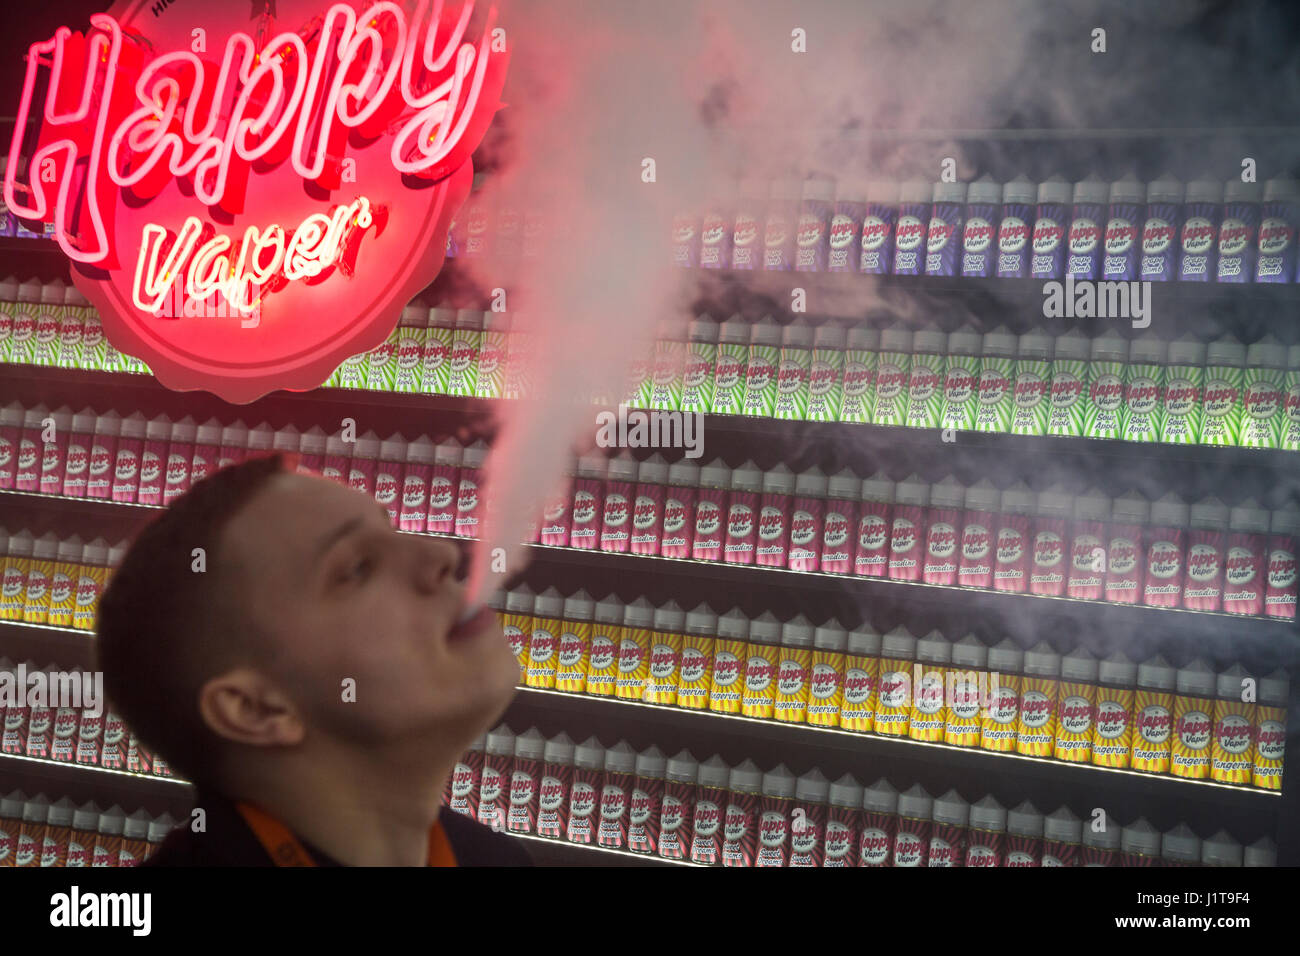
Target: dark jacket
point(228, 841)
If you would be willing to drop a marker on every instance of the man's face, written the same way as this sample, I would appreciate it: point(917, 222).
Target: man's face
point(336, 593)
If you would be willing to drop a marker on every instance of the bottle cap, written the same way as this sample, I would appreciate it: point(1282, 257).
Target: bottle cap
point(1073, 346)
point(590, 754)
point(312, 442)
point(746, 478)
point(715, 474)
point(934, 648)
point(746, 777)
point(1209, 513)
point(1263, 852)
point(880, 488)
point(622, 467)
point(1109, 348)
point(620, 758)
point(702, 620)
point(609, 610)
point(1221, 850)
point(964, 341)
point(530, 745)
point(864, 338)
point(831, 636)
point(1042, 660)
point(1273, 689)
point(1025, 820)
point(845, 792)
point(1092, 505)
point(1268, 352)
point(1225, 351)
point(951, 809)
point(949, 192)
point(915, 803)
point(1006, 657)
point(765, 332)
point(669, 618)
point(843, 485)
point(734, 625)
point(1062, 826)
point(1019, 191)
point(734, 331)
point(948, 493)
point(682, 767)
point(797, 632)
point(1036, 345)
point(915, 192)
point(1196, 679)
point(797, 337)
point(1285, 521)
point(559, 750)
point(704, 328)
point(882, 797)
point(1140, 837)
point(1054, 190)
point(501, 741)
point(520, 600)
point(1169, 511)
point(1156, 674)
point(811, 483)
point(160, 429)
point(999, 342)
point(638, 614)
point(1187, 351)
point(579, 606)
point(970, 652)
point(898, 644)
point(1130, 508)
point(1055, 502)
point(1117, 670)
point(778, 782)
point(1091, 190)
point(1281, 190)
point(912, 490)
point(984, 191)
point(1148, 350)
point(988, 814)
point(895, 339)
point(864, 640)
point(765, 629)
point(46, 547)
point(684, 473)
point(714, 772)
point(654, 470)
point(1128, 190)
point(1228, 685)
point(812, 787)
point(70, 549)
point(829, 336)
point(777, 481)
point(1019, 499)
point(651, 762)
point(929, 342)
point(981, 496)
point(1079, 665)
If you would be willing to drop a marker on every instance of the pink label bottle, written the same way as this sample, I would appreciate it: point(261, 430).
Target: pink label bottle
point(414, 512)
point(388, 474)
point(525, 782)
point(907, 531)
point(180, 458)
point(616, 796)
point(126, 461)
point(27, 472)
point(678, 536)
point(678, 806)
point(1014, 540)
point(494, 783)
point(338, 457)
point(875, 526)
point(444, 487)
point(806, 519)
point(773, 532)
point(11, 424)
point(103, 451)
point(54, 453)
point(773, 824)
point(742, 514)
point(153, 460)
point(588, 501)
point(311, 458)
point(469, 494)
point(739, 820)
point(648, 506)
point(711, 511)
point(943, 532)
point(1166, 545)
point(557, 518)
point(207, 447)
point(1049, 563)
point(234, 444)
point(362, 468)
point(1280, 594)
point(76, 469)
point(616, 519)
point(1087, 573)
point(1206, 539)
point(977, 552)
point(1126, 548)
point(557, 781)
point(840, 523)
point(1244, 578)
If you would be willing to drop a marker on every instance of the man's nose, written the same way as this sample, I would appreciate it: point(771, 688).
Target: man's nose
point(435, 562)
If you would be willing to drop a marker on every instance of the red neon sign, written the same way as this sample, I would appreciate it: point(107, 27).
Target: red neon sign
point(292, 186)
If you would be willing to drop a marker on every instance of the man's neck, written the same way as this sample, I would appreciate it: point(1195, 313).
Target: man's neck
point(363, 809)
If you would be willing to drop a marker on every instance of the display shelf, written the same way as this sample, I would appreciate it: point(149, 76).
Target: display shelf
point(16, 763)
point(66, 646)
point(549, 852)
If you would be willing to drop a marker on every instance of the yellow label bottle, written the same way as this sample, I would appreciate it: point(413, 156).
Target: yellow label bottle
point(517, 622)
point(695, 670)
point(575, 643)
point(1000, 719)
point(17, 565)
point(1270, 731)
point(606, 632)
point(759, 693)
point(794, 670)
point(36, 603)
point(826, 675)
point(634, 651)
point(1036, 723)
point(90, 584)
point(894, 697)
point(1193, 721)
point(966, 683)
point(861, 695)
point(1112, 731)
point(665, 654)
point(544, 645)
point(1232, 750)
point(930, 682)
point(1076, 699)
point(1153, 716)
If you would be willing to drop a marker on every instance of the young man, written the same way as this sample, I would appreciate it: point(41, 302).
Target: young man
point(276, 640)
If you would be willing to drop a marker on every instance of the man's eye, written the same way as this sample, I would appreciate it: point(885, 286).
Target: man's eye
point(359, 569)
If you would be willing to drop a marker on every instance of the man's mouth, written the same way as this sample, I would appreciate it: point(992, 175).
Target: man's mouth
point(471, 622)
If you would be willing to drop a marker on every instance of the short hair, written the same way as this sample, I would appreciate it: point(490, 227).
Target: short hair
point(164, 629)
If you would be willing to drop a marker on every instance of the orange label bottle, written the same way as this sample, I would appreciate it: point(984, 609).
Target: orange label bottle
point(794, 671)
point(606, 632)
point(1270, 731)
point(36, 603)
point(929, 680)
point(634, 651)
point(826, 675)
point(1112, 732)
point(63, 582)
point(730, 652)
point(17, 565)
point(1039, 687)
point(91, 575)
point(695, 671)
point(666, 654)
point(1153, 716)
point(575, 643)
point(894, 698)
point(517, 622)
point(1076, 701)
point(1232, 751)
point(966, 684)
point(544, 644)
point(861, 680)
point(1193, 721)
point(759, 693)
point(999, 720)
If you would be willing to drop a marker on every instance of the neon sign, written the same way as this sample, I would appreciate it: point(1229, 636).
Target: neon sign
point(303, 175)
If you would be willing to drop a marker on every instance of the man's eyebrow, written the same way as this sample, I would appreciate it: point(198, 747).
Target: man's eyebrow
point(342, 531)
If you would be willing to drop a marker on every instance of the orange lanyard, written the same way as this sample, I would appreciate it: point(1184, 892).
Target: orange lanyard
point(285, 849)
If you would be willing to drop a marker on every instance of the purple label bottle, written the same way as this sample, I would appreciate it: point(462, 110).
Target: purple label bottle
point(943, 239)
point(1050, 229)
point(686, 240)
point(1015, 231)
point(1087, 228)
point(1123, 222)
point(979, 235)
point(1237, 231)
point(850, 210)
point(1277, 231)
point(715, 236)
point(912, 228)
point(746, 236)
point(1159, 259)
point(877, 246)
point(782, 225)
point(814, 225)
point(1198, 240)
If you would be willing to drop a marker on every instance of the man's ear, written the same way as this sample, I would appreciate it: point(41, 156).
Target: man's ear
point(244, 706)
